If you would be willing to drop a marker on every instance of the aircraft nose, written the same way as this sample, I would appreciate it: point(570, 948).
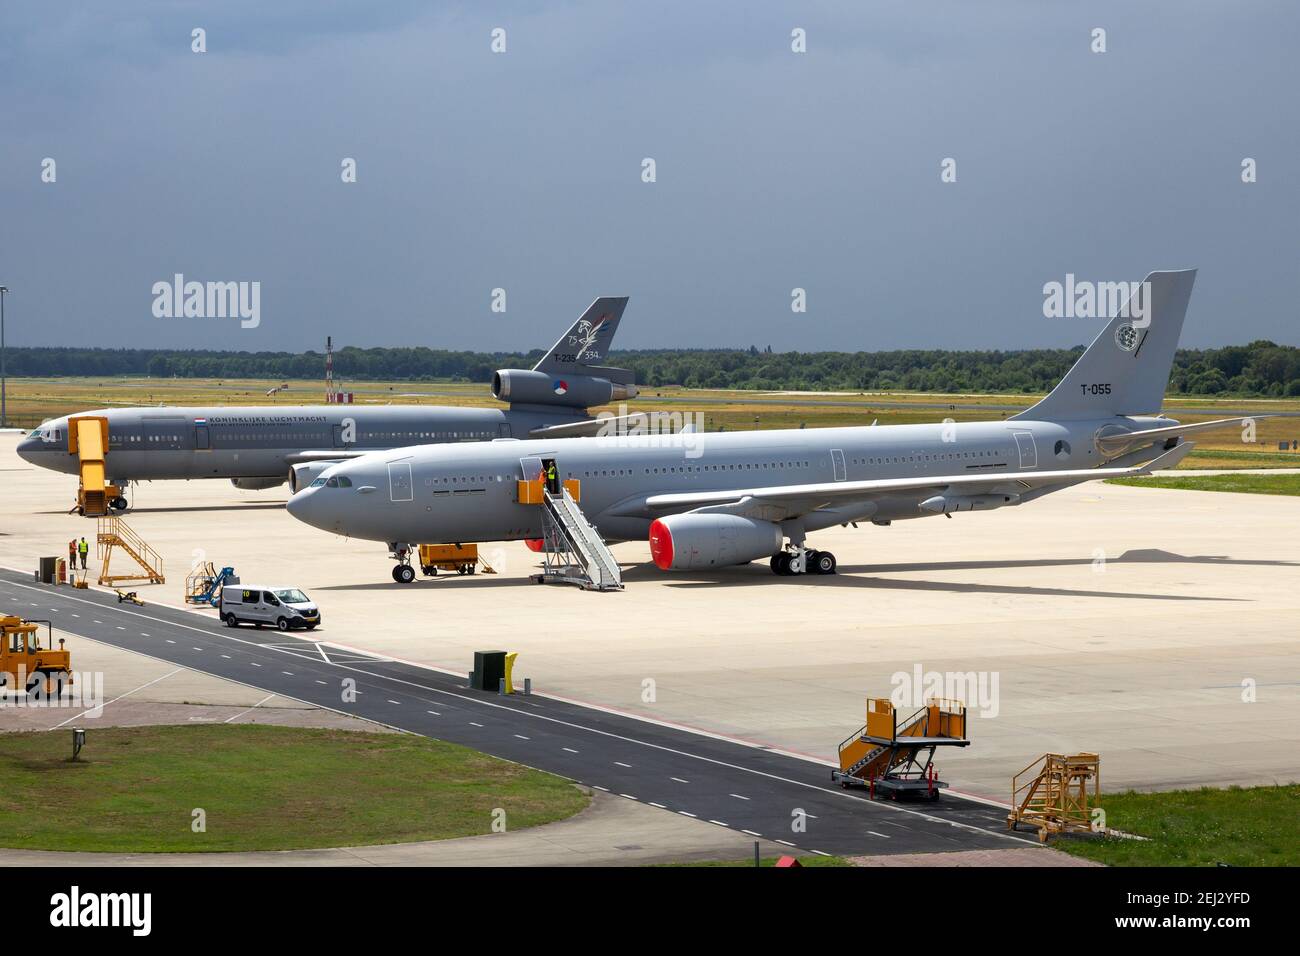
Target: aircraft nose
point(26, 448)
point(305, 507)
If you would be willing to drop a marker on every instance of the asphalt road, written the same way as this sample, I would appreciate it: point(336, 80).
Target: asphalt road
point(747, 788)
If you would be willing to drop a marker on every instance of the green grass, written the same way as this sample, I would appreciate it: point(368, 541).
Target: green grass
point(262, 788)
point(1259, 826)
point(810, 859)
point(1247, 484)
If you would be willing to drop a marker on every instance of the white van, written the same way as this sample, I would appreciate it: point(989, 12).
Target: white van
point(283, 607)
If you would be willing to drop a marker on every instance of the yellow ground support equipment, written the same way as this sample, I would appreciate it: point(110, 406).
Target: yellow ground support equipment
point(463, 559)
point(88, 440)
point(114, 533)
point(897, 759)
point(1057, 794)
point(24, 662)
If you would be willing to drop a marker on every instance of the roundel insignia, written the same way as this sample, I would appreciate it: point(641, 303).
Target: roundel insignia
point(1126, 337)
point(560, 386)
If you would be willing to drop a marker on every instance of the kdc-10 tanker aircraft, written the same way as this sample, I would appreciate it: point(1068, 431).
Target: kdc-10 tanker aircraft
point(259, 447)
point(711, 500)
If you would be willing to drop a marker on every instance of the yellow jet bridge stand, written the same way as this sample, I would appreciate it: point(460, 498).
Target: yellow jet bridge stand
point(897, 759)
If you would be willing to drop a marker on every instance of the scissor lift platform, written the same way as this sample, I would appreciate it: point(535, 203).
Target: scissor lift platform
point(897, 760)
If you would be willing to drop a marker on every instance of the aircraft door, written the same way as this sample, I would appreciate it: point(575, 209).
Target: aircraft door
point(503, 430)
point(338, 436)
point(201, 440)
point(399, 481)
point(837, 463)
point(1028, 451)
point(532, 468)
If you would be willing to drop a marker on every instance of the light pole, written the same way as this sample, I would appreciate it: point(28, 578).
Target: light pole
point(4, 418)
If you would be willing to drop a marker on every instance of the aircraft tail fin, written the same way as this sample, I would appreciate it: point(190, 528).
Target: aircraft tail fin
point(1126, 368)
point(588, 340)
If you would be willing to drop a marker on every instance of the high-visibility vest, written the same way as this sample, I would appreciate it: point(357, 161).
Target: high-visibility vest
point(83, 547)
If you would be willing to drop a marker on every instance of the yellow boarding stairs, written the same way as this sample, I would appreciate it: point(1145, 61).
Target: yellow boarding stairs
point(116, 534)
point(1057, 794)
point(897, 759)
point(88, 440)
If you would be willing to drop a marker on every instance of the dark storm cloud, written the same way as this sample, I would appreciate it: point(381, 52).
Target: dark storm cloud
point(522, 170)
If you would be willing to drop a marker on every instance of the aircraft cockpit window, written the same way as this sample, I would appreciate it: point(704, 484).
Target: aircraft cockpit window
point(318, 483)
point(332, 483)
point(345, 482)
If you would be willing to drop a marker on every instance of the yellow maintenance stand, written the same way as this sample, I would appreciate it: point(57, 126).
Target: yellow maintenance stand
point(22, 656)
point(896, 758)
point(1057, 793)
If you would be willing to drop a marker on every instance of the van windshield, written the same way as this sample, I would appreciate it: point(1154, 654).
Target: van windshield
point(291, 596)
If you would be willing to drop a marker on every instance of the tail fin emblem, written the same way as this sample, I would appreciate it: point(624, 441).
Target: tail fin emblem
point(1126, 337)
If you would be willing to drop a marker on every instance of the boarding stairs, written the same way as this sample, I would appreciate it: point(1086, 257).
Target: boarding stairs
point(898, 758)
point(113, 534)
point(573, 550)
point(1057, 794)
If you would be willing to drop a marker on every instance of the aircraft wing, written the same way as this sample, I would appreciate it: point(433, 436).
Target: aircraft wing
point(1119, 441)
point(591, 427)
point(801, 499)
point(326, 454)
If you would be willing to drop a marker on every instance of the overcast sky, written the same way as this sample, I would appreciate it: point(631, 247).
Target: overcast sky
point(522, 170)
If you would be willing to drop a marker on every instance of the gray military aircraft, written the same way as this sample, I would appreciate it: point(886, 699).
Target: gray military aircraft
point(260, 447)
point(710, 500)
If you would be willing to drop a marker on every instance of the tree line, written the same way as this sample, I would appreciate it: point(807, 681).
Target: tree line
point(1260, 369)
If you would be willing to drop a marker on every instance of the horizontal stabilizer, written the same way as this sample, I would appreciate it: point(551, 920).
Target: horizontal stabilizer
point(591, 427)
point(1122, 441)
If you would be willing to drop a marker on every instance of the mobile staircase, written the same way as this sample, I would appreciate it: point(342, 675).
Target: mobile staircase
point(897, 759)
point(573, 552)
point(88, 440)
point(115, 534)
point(1057, 794)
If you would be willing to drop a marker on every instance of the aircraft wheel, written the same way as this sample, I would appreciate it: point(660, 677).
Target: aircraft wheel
point(781, 563)
point(118, 503)
point(403, 574)
point(822, 562)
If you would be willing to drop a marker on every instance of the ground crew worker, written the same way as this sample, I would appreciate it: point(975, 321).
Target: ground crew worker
point(552, 479)
point(72, 554)
point(83, 549)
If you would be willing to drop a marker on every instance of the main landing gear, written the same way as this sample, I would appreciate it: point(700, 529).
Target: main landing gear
point(803, 561)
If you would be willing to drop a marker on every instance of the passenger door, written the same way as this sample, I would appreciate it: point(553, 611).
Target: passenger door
point(837, 464)
point(1028, 451)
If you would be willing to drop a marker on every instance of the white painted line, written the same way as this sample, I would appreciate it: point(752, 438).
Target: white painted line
point(569, 749)
point(678, 780)
point(226, 656)
point(287, 673)
point(737, 796)
point(170, 641)
point(685, 814)
point(199, 649)
point(881, 835)
point(605, 789)
point(821, 853)
point(254, 707)
point(120, 627)
point(628, 795)
point(659, 805)
point(255, 664)
point(619, 763)
point(117, 698)
point(321, 682)
point(751, 833)
point(434, 712)
point(397, 702)
point(522, 737)
point(472, 724)
point(719, 823)
point(785, 842)
point(143, 634)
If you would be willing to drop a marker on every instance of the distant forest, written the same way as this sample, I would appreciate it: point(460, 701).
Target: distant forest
point(1261, 368)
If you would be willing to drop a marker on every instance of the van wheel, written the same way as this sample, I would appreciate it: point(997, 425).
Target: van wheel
point(231, 620)
point(282, 623)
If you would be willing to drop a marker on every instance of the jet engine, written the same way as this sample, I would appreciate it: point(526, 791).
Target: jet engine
point(300, 476)
point(256, 484)
point(689, 542)
point(520, 386)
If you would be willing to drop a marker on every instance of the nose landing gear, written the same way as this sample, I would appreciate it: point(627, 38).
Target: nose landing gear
point(403, 573)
